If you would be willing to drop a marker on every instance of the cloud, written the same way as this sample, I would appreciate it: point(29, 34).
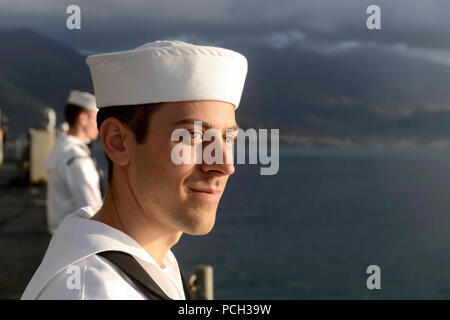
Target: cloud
point(441, 56)
point(336, 101)
point(118, 24)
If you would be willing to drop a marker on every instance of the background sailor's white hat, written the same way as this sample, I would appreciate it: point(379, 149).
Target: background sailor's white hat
point(81, 99)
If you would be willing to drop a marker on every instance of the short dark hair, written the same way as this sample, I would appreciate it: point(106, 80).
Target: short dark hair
point(71, 112)
point(136, 117)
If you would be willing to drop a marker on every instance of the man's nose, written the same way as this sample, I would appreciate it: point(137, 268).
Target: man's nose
point(224, 167)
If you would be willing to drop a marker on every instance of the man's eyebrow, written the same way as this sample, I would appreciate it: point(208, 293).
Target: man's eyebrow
point(204, 123)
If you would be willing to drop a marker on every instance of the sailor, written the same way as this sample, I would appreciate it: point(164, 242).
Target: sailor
point(73, 180)
point(124, 250)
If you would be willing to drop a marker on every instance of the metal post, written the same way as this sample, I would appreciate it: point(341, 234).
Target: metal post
point(1, 137)
point(202, 283)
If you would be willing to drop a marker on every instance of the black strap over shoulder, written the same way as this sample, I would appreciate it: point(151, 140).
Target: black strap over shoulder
point(137, 274)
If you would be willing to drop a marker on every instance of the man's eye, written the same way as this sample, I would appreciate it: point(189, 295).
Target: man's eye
point(230, 139)
point(196, 136)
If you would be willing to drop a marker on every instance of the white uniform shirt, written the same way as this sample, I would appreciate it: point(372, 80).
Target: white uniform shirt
point(71, 256)
point(73, 180)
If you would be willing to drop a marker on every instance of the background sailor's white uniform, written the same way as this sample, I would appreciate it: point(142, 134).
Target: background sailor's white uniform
point(73, 180)
point(74, 246)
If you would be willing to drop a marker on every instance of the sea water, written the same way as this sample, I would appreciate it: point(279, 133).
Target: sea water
point(311, 231)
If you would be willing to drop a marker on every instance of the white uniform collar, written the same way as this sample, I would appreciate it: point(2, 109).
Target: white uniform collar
point(79, 237)
point(75, 140)
point(64, 142)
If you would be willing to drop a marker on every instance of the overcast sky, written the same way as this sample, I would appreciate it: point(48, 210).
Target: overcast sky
point(420, 25)
point(416, 31)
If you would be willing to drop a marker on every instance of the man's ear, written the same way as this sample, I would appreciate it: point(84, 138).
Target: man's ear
point(116, 139)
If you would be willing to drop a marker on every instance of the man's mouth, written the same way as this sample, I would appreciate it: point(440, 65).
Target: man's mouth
point(205, 193)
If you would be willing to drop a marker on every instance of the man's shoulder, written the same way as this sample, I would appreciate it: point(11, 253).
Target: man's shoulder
point(92, 278)
point(66, 152)
point(71, 268)
point(75, 151)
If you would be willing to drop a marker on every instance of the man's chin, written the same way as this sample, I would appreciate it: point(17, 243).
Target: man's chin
point(199, 226)
point(199, 232)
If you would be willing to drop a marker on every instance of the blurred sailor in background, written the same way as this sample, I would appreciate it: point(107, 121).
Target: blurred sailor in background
point(73, 179)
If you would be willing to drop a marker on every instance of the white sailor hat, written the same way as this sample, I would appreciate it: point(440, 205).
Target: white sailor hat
point(164, 71)
point(81, 99)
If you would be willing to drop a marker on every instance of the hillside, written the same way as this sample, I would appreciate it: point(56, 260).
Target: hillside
point(37, 71)
point(362, 95)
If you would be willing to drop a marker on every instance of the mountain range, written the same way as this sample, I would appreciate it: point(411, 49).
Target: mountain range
point(36, 72)
point(362, 96)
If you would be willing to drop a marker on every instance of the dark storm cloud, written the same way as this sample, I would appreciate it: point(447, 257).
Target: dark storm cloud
point(324, 39)
point(114, 24)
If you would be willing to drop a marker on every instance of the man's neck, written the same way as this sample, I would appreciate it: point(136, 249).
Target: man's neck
point(126, 216)
point(78, 133)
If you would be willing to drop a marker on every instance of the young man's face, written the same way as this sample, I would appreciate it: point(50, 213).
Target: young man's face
point(88, 121)
point(181, 197)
